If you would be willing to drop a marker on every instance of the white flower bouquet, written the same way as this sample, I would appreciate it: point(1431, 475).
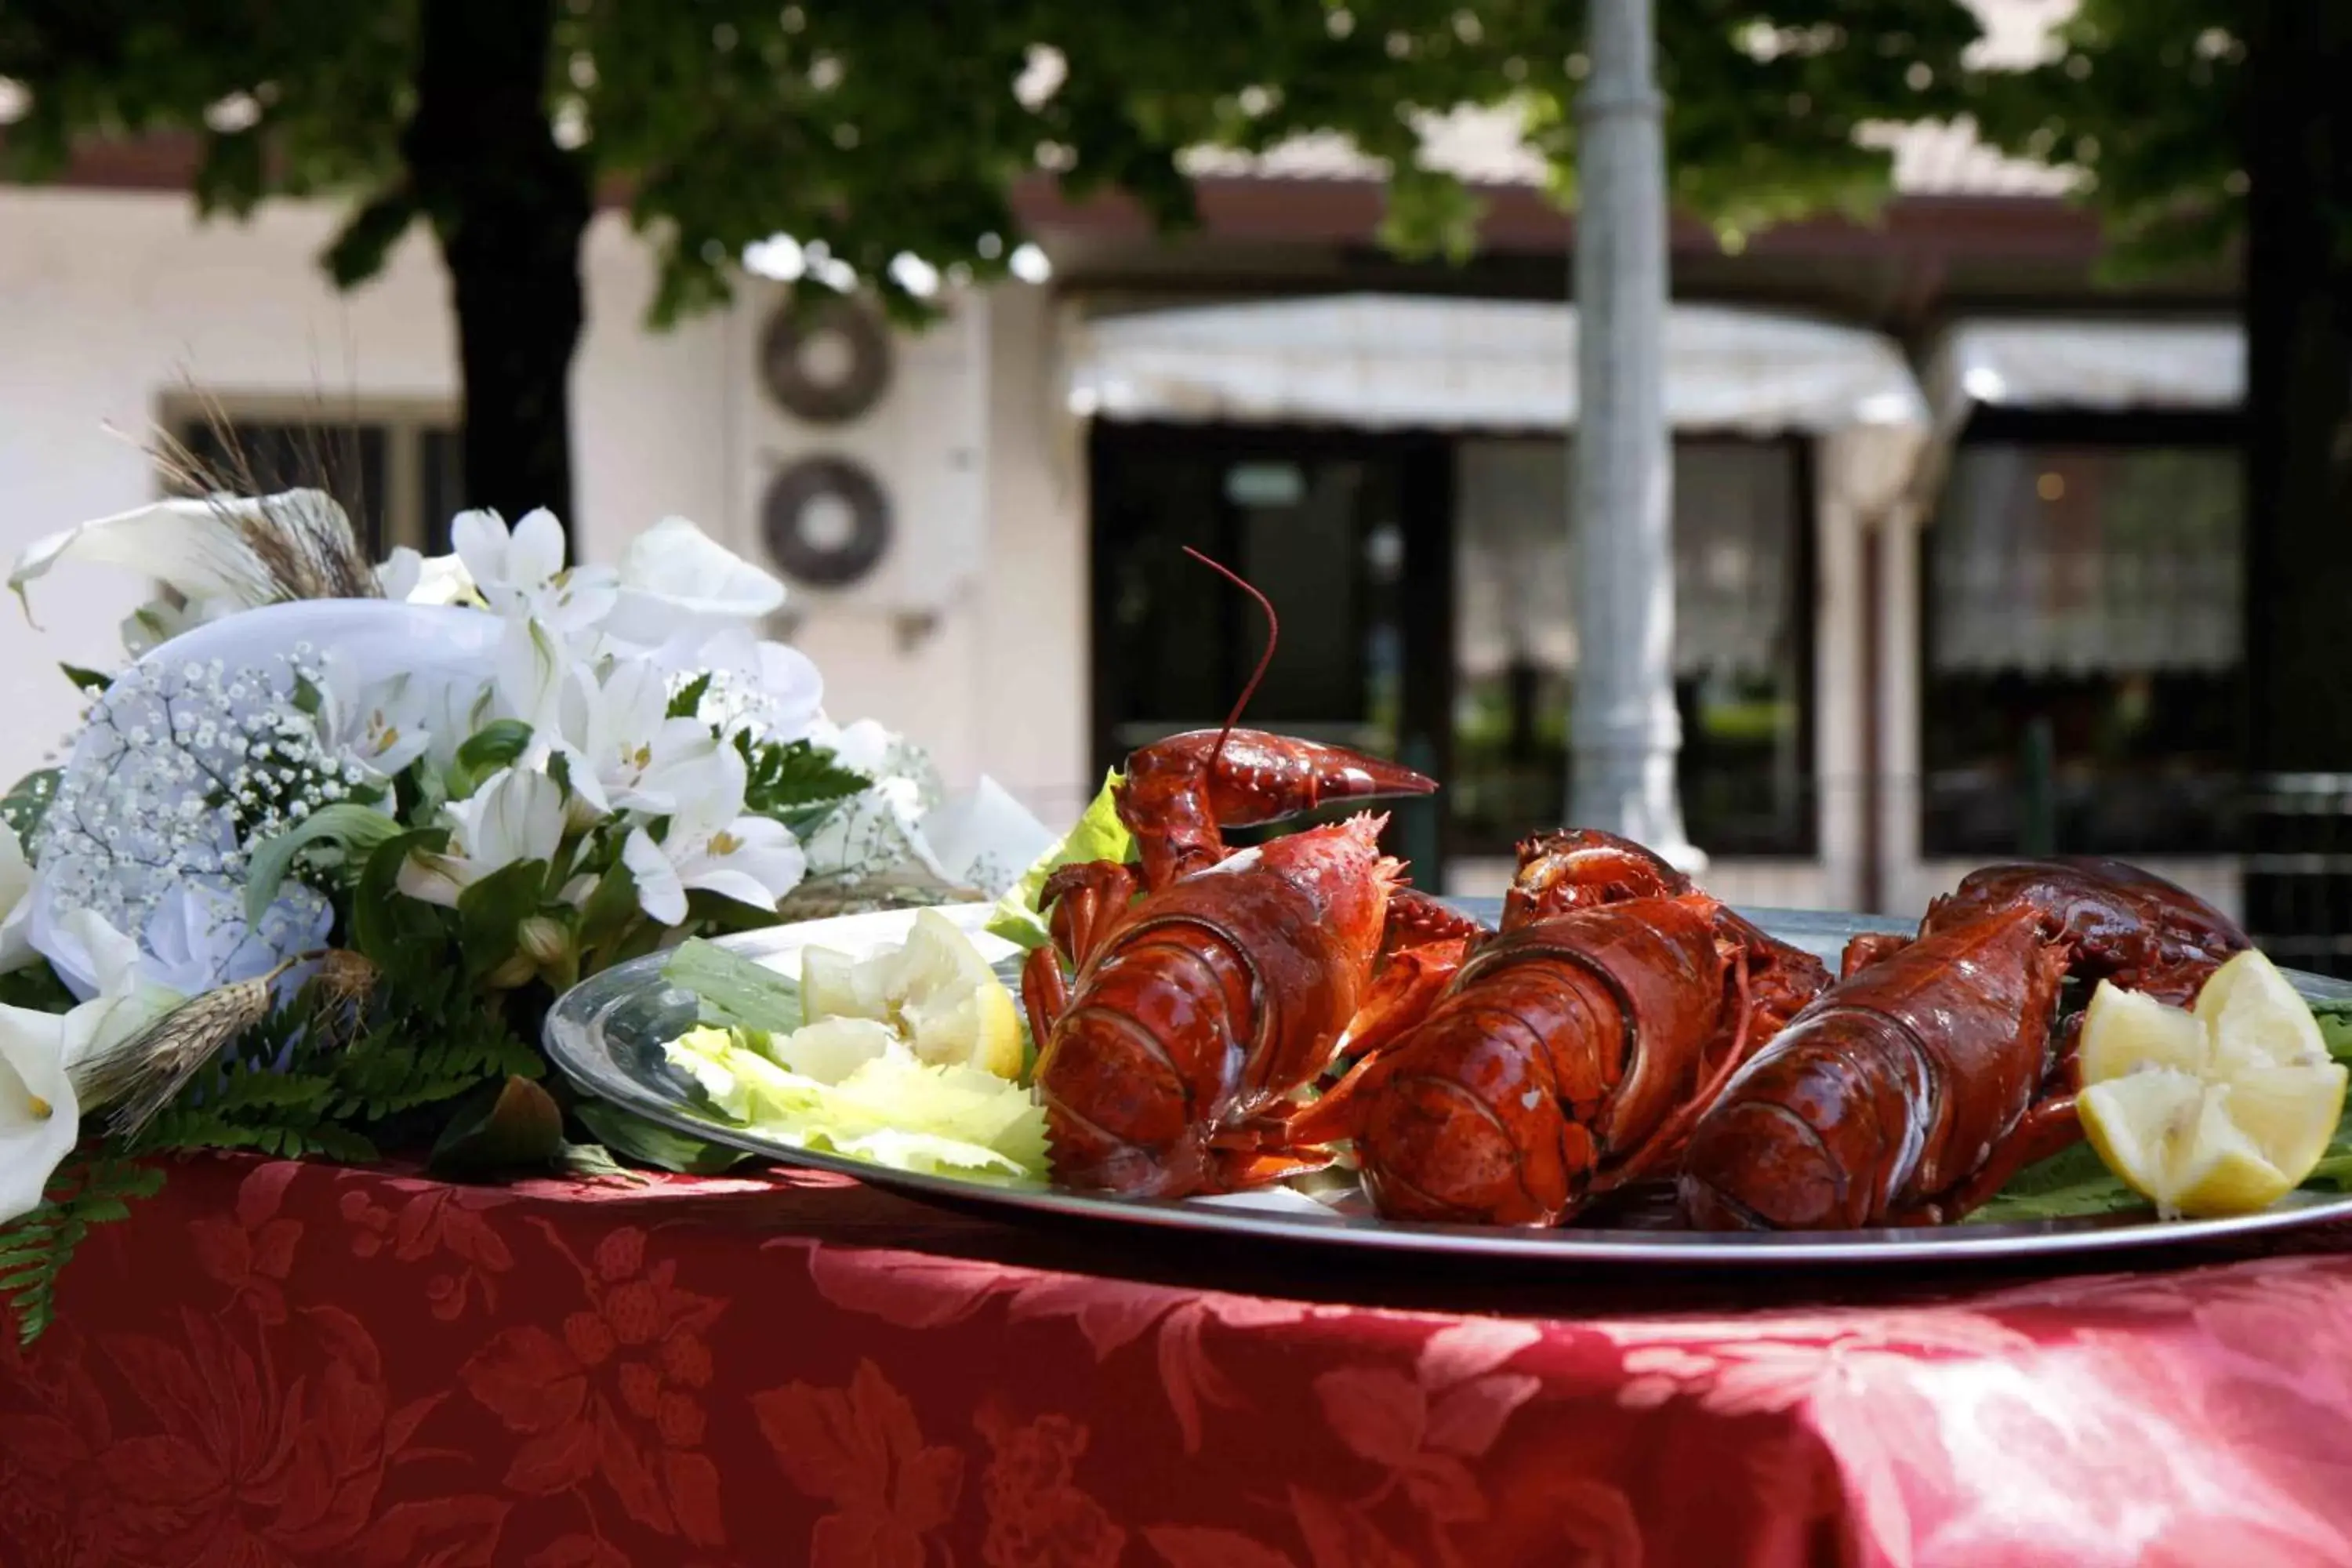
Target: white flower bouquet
point(323, 853)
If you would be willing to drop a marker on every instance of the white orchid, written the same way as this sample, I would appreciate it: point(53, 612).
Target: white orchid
point(712, 846)
point(516, 816)
point(676, 581)
point(521, 572)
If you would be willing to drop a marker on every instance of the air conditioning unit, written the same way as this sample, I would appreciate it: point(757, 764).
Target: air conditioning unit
point(868, 453)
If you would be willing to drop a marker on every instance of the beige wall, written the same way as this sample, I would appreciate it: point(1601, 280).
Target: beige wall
point(112, 302)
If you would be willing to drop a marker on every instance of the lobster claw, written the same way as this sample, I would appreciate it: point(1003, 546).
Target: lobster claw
point(1181, 791)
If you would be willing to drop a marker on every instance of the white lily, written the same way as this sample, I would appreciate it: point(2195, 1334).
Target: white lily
point(197, 547)
point(521, 572)
point(542, 685)
point(40, 1116)
point(537, 677)
point(40, 1109)
point(643, 758)
point(712, 846)
point(516, 815)
point(410, 577)
point(676, 579)
point(383, 725)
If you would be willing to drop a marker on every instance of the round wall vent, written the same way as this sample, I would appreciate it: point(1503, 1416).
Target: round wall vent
point(824, 363)
point(826, 521)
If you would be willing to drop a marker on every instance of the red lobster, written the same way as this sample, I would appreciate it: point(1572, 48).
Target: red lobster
point(1915, 1088)
point(1572, 1053)
point(1168, 1064)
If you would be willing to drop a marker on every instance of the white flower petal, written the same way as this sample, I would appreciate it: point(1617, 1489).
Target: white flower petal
point(532, 671)
point(674, 577)
point(794, 690)
point(40, 1117)
point(443, 580)
point(535, 553)
point(659, 892)
point(112, 956)
point(432, 879)
point(480, 541)
point(521, 819)
point(401, 572)
point(193, 545)
point(739, 886)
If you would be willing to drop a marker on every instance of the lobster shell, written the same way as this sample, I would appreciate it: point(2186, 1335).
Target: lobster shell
point(1880, 1100)
point(1188, 1030)
point(1559, 1050)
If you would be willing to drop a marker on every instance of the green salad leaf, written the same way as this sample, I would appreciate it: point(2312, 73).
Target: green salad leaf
point(2335, 1027)
point(2071, 1184)
point(734, 990)
point(1099, 835)
point(893, 1111)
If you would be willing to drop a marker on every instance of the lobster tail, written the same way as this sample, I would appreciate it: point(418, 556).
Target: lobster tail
point(1882, 1101)
point(1817, 1135)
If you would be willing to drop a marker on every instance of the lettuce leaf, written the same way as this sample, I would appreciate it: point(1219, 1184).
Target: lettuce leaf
point(894, 1112)
point(2070, 1185)
point(1099, 835)
point(733, 990)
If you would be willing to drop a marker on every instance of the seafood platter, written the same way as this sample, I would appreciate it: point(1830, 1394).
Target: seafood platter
point(1291, 1041)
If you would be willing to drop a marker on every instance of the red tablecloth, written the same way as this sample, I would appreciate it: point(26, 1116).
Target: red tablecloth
point(283, 1364)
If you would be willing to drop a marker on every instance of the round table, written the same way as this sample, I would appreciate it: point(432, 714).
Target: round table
point(280, 1363)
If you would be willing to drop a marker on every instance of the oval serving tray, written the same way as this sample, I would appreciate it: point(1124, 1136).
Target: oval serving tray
point(606, 1034)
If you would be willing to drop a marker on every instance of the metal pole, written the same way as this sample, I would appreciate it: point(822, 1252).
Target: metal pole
point(1625, 730)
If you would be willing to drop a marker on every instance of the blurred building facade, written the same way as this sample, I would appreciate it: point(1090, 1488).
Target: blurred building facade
point(1957, 528)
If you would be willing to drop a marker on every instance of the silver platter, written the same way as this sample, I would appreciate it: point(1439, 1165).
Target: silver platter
point(606, 1034)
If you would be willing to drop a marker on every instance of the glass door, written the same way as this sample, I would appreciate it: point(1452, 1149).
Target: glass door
point(1344, 533)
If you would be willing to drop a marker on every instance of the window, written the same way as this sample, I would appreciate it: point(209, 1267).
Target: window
point(2083, 637)
point(401, 479)
point(1743, 661)
point(1343, 532)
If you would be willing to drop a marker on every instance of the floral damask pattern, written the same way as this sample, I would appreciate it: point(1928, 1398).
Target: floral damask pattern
point(278, 1365)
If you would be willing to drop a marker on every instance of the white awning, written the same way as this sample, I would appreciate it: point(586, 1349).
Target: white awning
point(2096, 365)
point(1389, 361)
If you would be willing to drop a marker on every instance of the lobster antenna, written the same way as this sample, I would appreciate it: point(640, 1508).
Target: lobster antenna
point(1273, 634)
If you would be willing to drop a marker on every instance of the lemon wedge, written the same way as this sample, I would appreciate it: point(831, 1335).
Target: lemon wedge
point(835, 985)
point(2219, 1109)
point(935, 992)
point(980, 1029)
point(830, 1049)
